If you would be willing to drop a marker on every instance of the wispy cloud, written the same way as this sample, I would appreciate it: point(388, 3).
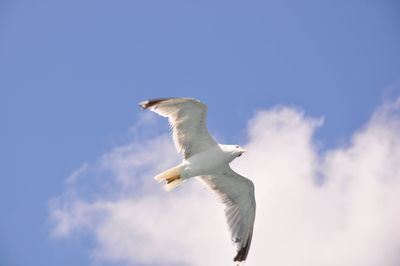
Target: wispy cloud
point(332, 208)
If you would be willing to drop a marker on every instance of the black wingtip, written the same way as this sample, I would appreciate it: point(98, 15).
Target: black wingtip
point(149, 103)
point(242, 253)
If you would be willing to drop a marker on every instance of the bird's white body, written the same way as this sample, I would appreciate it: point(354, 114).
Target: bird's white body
point(205, 158)
point(208, 162)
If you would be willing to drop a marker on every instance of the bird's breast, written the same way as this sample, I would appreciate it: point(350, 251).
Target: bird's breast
point(204, 163)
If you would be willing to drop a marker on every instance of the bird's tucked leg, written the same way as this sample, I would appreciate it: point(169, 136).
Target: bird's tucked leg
point(172, 177)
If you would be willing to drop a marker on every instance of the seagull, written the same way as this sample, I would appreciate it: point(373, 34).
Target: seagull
point(203, 157)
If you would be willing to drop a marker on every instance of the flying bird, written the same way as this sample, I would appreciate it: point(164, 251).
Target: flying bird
point(203, 157)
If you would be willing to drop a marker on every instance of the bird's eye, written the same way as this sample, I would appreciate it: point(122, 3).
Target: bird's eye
point(237, 146)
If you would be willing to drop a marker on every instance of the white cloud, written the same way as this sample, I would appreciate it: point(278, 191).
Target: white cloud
point(352, 217)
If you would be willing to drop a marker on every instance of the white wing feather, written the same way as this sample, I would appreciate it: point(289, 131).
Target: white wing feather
point(237, 193)
point(187, 118)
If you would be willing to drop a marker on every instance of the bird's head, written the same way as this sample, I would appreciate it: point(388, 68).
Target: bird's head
point(238, 151)
point(233, 150)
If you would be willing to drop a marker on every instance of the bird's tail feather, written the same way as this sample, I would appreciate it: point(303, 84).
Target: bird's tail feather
point(172, 177)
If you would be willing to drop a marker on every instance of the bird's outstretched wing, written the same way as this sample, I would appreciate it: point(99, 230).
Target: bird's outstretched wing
point(187, 118)
point(237, 193)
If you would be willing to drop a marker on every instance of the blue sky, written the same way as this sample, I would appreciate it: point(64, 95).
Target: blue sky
point(72, 72)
